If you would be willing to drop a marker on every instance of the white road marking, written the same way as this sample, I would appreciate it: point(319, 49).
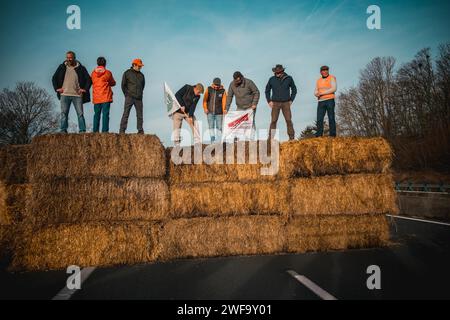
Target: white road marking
point(420, 220)
point(311, 286)
point(65, 293)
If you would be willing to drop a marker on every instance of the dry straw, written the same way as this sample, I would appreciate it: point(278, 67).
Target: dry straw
point(86, 244)
point(104, 155)
point(13, 202)
point(210, 237)
point(13, 164)
point(330, 156)
point(98, 199)
point(300, 158)
point(229, 198)
point(351, 194)
point(322, 233)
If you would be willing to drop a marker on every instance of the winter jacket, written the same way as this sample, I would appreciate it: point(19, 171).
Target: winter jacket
point(133, 83)
point(187, 98)
point(214, 101)
point(84, 80)
point(102, 81)
point(283, 89)
point(247, 94)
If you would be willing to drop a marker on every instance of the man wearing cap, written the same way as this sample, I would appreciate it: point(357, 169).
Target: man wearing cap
point(246, 92)
point(72, 83)
point(133, 83)
point(283, 91)
point(188, 97)
point(214, 104)
point(326, 87)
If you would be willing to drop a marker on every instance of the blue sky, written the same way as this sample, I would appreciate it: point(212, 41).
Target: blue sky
point(194, 41)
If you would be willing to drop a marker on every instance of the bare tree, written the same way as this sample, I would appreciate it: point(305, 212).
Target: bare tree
point(410, 107)
point(25, 112)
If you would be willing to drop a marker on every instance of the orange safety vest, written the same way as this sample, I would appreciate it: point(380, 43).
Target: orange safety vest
point(324, 84)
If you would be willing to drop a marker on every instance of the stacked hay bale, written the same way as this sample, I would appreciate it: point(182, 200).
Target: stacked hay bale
point(96, 200)
point(14, 190)
point(341, 190)
point(328, 194)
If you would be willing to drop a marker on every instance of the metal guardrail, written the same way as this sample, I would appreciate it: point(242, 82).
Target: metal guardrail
point(424, 187)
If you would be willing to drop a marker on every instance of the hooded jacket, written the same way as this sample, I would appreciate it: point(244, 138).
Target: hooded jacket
point(84, 79)
point(102, 81)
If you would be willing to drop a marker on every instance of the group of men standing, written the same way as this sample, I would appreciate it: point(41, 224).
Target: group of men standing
point(72, 83)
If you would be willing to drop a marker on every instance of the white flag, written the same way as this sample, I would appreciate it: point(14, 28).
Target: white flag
point(170, 101)
point(238, 124)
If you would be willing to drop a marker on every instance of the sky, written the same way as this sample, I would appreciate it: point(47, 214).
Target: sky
point(185, 42)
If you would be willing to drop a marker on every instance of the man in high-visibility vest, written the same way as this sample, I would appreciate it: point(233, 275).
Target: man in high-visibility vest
point(325, 92)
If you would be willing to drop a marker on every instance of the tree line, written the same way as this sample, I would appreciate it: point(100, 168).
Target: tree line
point(408, 105)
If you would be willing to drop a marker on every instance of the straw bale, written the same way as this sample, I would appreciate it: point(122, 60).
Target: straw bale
point(336, 232)
point(85, 244)
point(97, 154)
point(229, 198)
point(351, 194)
point(210, 237)
point(75, 200)
point(13, 163)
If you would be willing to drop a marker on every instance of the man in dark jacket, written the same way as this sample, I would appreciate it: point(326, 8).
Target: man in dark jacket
point(133, 83)
point(187, 97)
point(72, 83)
point(283, 91)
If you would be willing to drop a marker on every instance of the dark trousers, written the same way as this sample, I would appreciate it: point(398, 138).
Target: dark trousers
point(101, 110)
point(285, 107)
point(139, 106)
point(326, 107)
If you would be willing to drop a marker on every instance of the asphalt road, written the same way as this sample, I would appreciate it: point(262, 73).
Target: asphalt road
point(416, 266)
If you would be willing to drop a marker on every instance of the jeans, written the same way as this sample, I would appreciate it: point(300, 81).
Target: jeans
point(215, 121)
point(101, 109)
point(65, 108)
point(326, 107)
point(129, 102)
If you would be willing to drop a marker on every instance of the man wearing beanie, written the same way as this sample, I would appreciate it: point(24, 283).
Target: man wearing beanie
point(214, 105)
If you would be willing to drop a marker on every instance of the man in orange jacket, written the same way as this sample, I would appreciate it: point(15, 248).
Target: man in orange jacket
point(102, 81)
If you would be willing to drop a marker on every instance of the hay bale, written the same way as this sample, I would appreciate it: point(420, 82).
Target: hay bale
point(5, 240)
point(243, 166)
point(300, 158)
point(85, 155)
point(229, 198)
point(210, 237)
point(13, 163)
point(331, 156)
point(334, 232)
point(352, 194)
point(217, 173)
point(13, 202)
point(75, 200)
point(87, 244)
